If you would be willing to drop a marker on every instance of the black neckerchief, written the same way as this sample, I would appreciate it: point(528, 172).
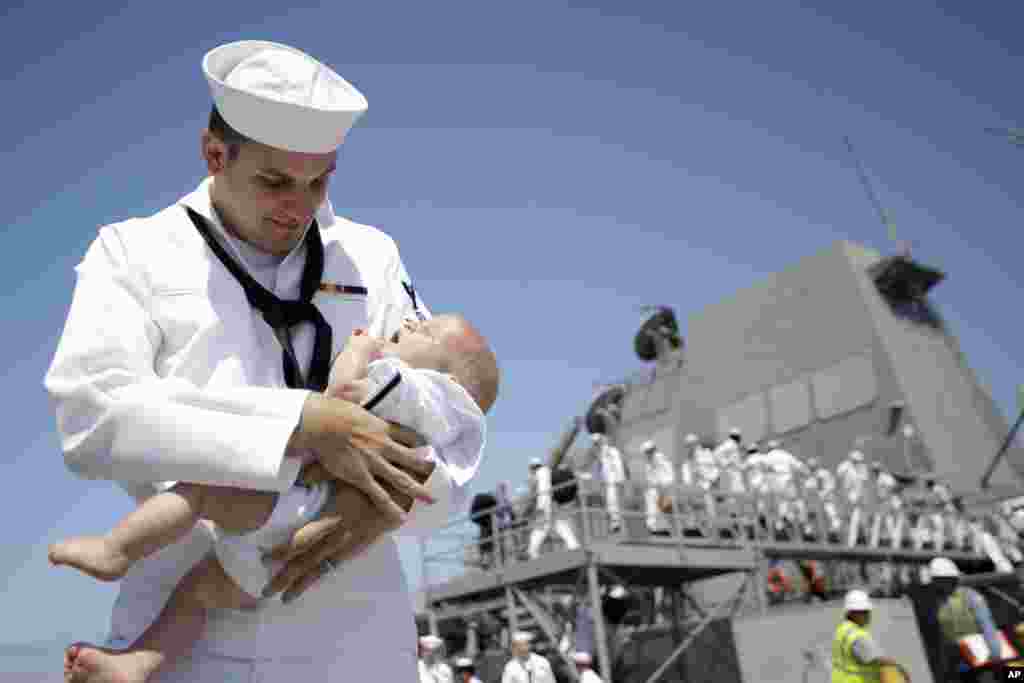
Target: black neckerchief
point(282, 315)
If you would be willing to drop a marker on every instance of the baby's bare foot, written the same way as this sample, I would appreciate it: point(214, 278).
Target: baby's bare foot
point(94, 555)
point(85, 663)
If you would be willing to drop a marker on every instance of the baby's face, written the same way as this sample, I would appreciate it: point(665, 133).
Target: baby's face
point(421, 343)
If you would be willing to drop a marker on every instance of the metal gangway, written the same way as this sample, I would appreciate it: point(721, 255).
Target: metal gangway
point(478, 564)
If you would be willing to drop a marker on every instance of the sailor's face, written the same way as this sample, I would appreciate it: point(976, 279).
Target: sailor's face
point(269, 195)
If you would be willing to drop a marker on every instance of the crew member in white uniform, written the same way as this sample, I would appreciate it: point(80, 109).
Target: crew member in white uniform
point(729, 459)
point(613, 473)
point(707, 475)
point(526, 666)
point(546, 517)
point(781, 466)
point(167, 370)
point(584, 662)
point(433, 668)
point(852, 474)
point(824, 482)
point(660, 477)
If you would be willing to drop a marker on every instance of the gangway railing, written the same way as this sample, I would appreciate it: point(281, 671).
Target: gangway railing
point(773, 526)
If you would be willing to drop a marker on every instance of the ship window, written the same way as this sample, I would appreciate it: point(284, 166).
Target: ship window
point(791, 406)
point(845, 386)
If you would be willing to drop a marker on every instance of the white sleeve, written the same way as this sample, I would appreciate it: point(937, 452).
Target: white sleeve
point(118, 420)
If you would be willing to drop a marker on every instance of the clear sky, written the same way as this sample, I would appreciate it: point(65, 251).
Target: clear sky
point(546, 168)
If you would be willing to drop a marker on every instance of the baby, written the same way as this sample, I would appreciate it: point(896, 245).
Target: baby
point(437, 377)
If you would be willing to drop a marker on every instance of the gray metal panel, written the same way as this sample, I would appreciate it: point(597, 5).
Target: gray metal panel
point(800, 320)
point(790, 406)
point(844, 387)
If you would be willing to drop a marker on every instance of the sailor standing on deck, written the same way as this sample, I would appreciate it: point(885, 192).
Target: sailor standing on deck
point(729, 458)
point(583, 663)
point(782, 465)
point(660, 476)
point(433, 668)
point(526, 666)
point(197, 347)
point(546, 517)
point(613, 473)
point(853, 475)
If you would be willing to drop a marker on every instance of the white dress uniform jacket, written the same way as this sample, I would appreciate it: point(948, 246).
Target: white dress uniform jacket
point(164, 372)
point(730, 463)
point(535, 669)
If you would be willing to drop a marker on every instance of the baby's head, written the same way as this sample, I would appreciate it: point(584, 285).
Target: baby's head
point(450, 344)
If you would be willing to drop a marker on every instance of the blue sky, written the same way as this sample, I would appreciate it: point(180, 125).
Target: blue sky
point(546, 168)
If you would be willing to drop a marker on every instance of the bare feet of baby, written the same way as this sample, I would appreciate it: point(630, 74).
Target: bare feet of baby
point(94, 555)
point(85, 663)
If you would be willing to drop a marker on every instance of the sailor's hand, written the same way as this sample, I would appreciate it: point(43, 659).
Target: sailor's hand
point(363, 450)
point(349, 524)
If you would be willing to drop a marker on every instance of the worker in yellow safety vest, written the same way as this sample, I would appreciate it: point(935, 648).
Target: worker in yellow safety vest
point(964, 612)
point(856, 657)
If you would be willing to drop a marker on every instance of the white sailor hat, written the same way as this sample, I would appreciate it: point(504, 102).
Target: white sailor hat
point(522, 637)
point(597, 436)
point(281, 97)
point(581, 657)
point(856, 456)
point(753, 448)
point(431, 642)
point(691, 438)
point(735, 431)
point(648, 446)
point(463, 663)
point(773, 444)
point(536, 462)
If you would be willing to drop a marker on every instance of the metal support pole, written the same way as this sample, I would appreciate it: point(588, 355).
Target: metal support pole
point(600, 634)
point(677, 631)
point(510, 605)
point(432, 621)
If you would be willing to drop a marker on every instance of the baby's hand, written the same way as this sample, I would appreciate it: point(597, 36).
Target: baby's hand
point(356, 391)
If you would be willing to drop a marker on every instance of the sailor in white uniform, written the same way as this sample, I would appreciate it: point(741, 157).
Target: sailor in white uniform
point(526, 666)
point(198, 337)
point(547, 518)
point(433, 668)
point(729, 458)
point(660, 478)
point(584, 662)
point(613, 474)
point(853, 476)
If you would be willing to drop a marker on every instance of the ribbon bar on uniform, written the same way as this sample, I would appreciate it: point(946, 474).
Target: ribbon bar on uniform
point(332, 288)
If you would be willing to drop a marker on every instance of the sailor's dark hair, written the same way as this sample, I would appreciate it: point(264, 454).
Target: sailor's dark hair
point(226, 134)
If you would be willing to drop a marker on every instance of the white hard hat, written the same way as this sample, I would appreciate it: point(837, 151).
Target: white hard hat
point(281, 97)
point(691, 438)
point(522, 637)
point(648, 445)
point(943, 567)
point(536, 462)
point(857, 601)
point(856, 456)
point(581, 657)
point(431, 642)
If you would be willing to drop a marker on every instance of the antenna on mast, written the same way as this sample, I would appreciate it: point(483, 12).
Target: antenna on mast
point(883, 213)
